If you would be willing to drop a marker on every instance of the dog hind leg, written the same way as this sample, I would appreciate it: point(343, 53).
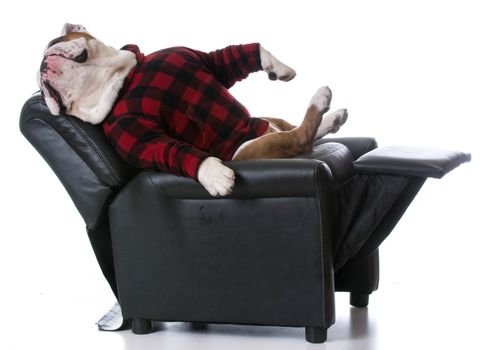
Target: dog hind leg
point(285, 144)
point(331, 123)
point(279, 124)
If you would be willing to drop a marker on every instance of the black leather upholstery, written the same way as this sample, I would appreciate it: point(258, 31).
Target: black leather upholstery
point(240, 259)
point(411, 161)
point(292, 232)
point(79, 154)
point(254, 179)
point(356, 145)
point(338, 158)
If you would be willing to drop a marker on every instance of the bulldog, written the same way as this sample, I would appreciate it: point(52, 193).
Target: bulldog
point(172, 110)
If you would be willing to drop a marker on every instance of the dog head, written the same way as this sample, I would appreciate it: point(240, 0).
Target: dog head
point(81, 76)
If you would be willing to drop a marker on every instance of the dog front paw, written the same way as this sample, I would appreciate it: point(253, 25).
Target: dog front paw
point(275, 68)
point(217, 179)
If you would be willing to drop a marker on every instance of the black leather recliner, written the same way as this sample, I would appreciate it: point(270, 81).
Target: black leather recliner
point(292, 233)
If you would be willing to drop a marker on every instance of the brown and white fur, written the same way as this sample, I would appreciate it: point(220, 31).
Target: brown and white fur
point(85, 83)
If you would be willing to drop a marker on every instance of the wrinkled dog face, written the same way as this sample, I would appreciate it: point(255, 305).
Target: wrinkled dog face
point(61, 67)
point(82, 76)
point(75, 74)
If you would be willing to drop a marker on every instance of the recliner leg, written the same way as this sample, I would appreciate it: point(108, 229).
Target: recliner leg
point(359, 299)
point(141, 326)
point(199, 326)
point(315, 335)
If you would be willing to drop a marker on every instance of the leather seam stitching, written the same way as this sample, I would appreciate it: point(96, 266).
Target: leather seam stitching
point(322, 284)
point(66, 185)
point(96, 150)
point(111, 172)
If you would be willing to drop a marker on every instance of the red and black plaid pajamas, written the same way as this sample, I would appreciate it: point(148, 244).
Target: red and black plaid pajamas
point(175, 110)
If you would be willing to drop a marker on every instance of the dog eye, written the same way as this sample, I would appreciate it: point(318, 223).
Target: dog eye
point(82, 57)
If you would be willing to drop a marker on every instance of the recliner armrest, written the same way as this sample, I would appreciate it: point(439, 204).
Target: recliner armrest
point(175, 245)
point(411, 161)
point(254, 179)
point(356, 145)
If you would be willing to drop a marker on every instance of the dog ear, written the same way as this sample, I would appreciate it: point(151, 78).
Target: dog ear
point(70, 28)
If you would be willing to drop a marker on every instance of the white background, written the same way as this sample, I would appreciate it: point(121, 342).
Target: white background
point(412, 73)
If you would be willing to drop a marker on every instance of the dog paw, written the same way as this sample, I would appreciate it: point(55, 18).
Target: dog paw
point(283, 73)
point(332, 122)
point(322, 99)
point(275, 68)
point(217, 179)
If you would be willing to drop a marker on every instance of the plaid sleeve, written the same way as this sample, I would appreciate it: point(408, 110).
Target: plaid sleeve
point(144, 144)
point(233, 63)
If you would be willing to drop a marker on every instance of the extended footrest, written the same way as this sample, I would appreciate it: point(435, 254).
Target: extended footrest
point(410, 161)
point(372, 202)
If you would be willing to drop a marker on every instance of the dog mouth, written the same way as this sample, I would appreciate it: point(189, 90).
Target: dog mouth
point(45, 84)
point(54, 94)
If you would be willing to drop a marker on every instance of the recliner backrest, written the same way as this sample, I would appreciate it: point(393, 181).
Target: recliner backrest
point(79, 154)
